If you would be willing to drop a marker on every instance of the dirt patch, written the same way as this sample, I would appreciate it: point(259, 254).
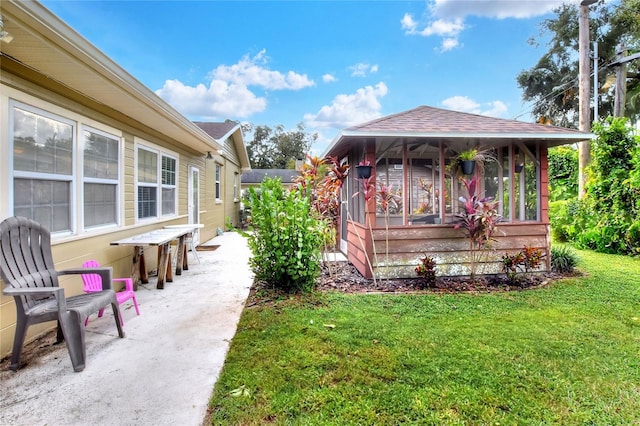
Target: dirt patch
point(33, 352)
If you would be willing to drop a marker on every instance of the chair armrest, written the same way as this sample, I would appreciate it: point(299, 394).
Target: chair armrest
point(128, 283)
point(33, 291)
point(58, 293)
point(105, 274)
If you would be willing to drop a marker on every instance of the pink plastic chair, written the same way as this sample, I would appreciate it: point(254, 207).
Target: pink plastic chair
point(93, 283)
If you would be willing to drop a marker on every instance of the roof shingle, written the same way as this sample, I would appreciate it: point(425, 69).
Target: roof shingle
point(430, 120)
point(218, 129)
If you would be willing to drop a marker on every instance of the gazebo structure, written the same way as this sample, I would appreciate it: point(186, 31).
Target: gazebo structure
point(415, 153)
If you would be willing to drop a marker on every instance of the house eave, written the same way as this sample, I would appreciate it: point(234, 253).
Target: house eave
point(44, 43)
point(241, 150)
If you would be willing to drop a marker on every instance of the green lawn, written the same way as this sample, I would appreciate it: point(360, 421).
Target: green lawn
point(566, 354)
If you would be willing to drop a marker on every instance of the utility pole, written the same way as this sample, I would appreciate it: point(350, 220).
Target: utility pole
point(596, 87)
point(621, 83)
point(621, 79)
point(584, 93)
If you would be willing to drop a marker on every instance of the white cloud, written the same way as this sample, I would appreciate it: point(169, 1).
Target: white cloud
point(449, 44)
point(466, 104)
point(499, 9)
point(219, 100)
point(445, 18)
point(349, 109)
point(362, 69)
point(408, 24)
point(252, 72)
point(329, 78)
point(228, 94)
point(448, 30)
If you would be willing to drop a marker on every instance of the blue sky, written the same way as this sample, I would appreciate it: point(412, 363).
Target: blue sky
point(326, 64)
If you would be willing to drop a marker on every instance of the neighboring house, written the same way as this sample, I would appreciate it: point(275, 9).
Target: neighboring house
point(96, 156)
point(229, 164)
point(414, 151)
point(254, 177)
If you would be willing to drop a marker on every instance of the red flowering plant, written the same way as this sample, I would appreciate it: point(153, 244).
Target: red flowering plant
point(479, 220)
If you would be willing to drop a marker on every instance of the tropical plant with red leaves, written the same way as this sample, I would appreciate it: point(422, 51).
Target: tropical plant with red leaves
point(479, 220)
point(323, 177)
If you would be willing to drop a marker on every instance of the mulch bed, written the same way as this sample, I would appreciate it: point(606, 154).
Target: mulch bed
point(344, 277)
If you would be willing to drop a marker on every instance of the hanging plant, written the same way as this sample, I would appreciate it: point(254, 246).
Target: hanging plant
point(364, 169)
point(470, 158)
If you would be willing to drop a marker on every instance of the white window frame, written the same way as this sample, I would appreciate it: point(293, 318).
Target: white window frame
point(21, 174)
point(236, 187)
point(218, 184)
point(173, 186)
point(158, 184)
point(103, 181)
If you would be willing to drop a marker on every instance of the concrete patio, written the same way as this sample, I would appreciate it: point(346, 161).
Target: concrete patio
point(161, 373)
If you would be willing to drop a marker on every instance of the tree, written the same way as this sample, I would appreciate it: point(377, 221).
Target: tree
point(276, 148)
point(552, 84)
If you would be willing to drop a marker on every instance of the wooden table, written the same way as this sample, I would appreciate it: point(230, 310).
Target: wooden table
point(161, 238)
point(192, 227)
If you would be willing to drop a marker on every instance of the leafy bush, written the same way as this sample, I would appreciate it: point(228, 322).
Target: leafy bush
point(286, 237)
point(563, 173)
point(606, 220)
point(561, 221)
point(525, 260)
point(426, 269)
point(511, 263)
point(532, 258)
point(563, 259)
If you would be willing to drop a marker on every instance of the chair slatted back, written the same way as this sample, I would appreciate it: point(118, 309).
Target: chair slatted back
point(25, 255)
point(92, 282)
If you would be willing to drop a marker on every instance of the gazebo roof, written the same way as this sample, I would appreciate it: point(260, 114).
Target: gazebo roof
point(427, 122)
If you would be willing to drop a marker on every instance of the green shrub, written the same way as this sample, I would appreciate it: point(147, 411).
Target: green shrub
point(562, 222)
point(563, 259)
point(563, 173)
point(606, 220)
point(286, 237)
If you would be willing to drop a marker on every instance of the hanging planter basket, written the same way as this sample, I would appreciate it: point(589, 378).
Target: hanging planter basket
point(519, 168)
point(468, 166)
point(364, 172)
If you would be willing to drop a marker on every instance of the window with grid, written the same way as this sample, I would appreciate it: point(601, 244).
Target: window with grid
point(218, 173)
point(101, 165)
point(157, 189)
point(42, 167)
point(236, 192)
point(147, 183)
point(168, 185)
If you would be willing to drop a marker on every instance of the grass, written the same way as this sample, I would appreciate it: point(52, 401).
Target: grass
point(565, 354)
